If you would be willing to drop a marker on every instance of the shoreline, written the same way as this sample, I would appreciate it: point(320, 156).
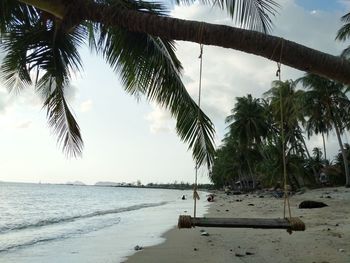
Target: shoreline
point(88, 225)
point(326, 239)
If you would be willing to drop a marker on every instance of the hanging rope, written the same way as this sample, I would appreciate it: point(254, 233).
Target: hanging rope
point(195, 193)
point(285, 185)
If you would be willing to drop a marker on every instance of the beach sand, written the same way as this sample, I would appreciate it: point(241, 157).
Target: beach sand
point(326, 239)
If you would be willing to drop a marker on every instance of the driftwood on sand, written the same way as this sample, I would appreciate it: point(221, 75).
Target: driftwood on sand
point(290, 224)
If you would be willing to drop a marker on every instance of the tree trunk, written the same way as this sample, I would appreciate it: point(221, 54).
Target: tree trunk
point(324, 146)
point(252, 176)
point(241, 184)
point(271, 47)
point(345, 159)
point(309, 156)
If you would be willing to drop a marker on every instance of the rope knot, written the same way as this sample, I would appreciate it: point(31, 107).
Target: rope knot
point(195, 194)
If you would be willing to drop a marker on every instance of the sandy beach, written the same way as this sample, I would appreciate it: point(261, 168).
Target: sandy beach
point(326, 239)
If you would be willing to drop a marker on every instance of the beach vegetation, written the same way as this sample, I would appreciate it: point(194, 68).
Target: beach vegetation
point(331, 98)
point(253, 147)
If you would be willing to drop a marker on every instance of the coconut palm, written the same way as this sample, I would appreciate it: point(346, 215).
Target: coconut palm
point(338, 168)
point(243, 160)
point(249, 126)
point(118, 14)
point(222, 171)
point(344, 33)
point(271, 170)
point(285, 92)
point(316, 122)
point(335, 104)
point(317, 162)
point(286, 102)
point(248, 121)
point(230, 164)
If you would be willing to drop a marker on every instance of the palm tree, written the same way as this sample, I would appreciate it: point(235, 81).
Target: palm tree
point(271, 168)
point(290, 109)
point(339, 164)
point(129, 16)
point(344, 33)
point(248, 126)
point(333, 100)
point(230, 164)
point(317, 162)
point(247, 121)
point(317, 122)
point(222, 171)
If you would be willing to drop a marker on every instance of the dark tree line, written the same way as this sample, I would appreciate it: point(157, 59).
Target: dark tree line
point(252, 150)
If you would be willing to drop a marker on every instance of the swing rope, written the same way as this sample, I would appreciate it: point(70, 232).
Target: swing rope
point(290, 223)
point(195, 193)
point(286, 202)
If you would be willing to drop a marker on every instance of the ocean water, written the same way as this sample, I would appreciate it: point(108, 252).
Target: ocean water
point(65, 223)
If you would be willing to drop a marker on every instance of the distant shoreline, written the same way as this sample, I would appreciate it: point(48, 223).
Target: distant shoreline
point(160, 186)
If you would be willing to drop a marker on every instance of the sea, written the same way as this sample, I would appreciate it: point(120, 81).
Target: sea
point(71, 223)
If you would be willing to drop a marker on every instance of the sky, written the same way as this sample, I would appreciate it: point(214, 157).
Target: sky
point(128, 140)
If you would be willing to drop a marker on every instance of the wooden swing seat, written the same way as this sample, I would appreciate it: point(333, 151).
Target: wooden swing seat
point(290, 224)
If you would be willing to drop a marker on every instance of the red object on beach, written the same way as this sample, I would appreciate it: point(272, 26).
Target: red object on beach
point(210, 198)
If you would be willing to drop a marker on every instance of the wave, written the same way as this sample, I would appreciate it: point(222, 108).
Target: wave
point(53, 221)
point(53, 237)
point(29, 243)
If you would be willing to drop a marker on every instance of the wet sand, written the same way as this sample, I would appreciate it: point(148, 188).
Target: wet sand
point(326, 239)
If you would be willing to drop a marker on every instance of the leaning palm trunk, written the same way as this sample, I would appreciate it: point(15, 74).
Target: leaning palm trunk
point(289, 53)
point(345, 159)
point(309, 156)
point(252, 176)
point(324, 146)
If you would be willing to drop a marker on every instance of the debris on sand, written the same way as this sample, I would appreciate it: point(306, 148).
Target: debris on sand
point(311, 204)
point(137, 248)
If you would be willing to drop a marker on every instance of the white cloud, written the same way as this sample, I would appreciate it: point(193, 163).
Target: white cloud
point(13, 121)
point(23, 125)
point(228, 73)
point(160, 120)
point(86, 106)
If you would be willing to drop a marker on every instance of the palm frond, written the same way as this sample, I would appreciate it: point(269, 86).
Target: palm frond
point(13, 13)
point(17, 24)
point(252, 14)
point(60, 58)
point(346, 52)
point(344, 32)
point(148, 65)
point(34, 45)
point(14, 73)
point(60, 117)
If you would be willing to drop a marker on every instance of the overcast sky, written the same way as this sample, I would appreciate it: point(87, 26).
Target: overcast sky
point(126, 140)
